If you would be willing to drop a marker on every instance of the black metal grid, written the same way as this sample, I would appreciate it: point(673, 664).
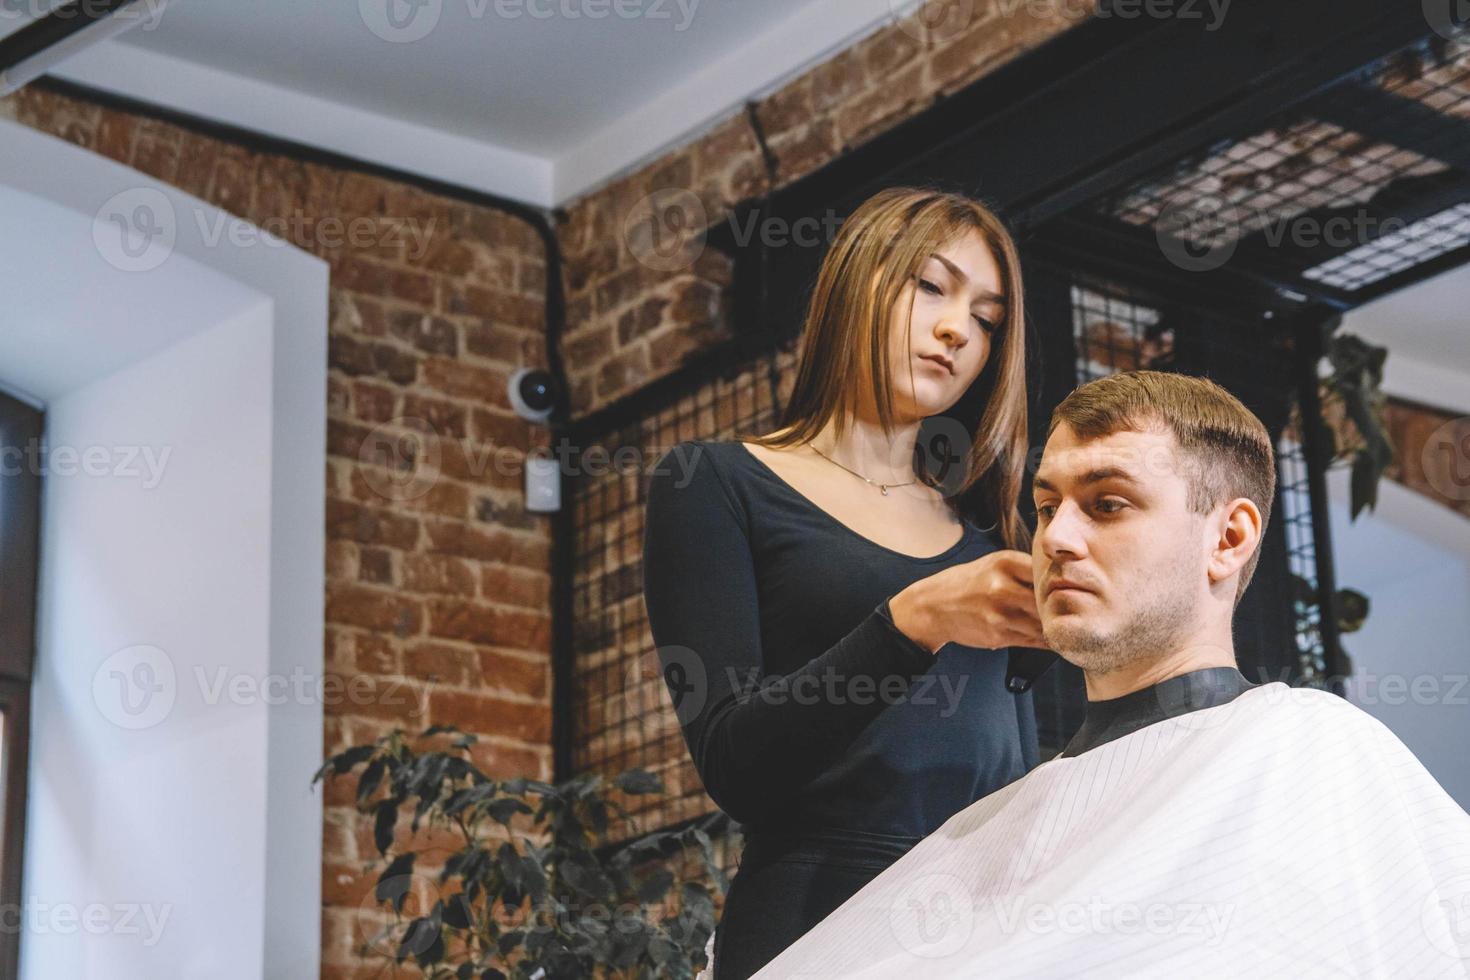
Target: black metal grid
point(622, 714)
point(1342, 197)
point(1295, 509)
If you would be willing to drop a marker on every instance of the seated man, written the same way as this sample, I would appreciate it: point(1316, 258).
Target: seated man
point(1197, 825)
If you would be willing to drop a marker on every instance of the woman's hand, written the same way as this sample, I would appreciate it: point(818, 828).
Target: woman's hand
point(989, 602)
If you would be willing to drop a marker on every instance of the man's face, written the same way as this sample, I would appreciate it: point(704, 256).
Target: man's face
point(1113, 519)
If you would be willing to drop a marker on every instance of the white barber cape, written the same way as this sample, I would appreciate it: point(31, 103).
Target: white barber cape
point(1286, 833)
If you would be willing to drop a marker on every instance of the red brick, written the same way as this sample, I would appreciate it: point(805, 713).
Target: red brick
point(442, 416)
point(375, 566)
point(483, 713)
point(375, 654)
point(457, 619)
point(373, 609)
point(501, 429)
point(441, 663)
point(351, 521)
point(440, 574)
point(429, 333)
point(486, 385)
point(500, 761)
point(515, 675)
point(488, 545)
point(515, 586)
point(495, 304)
point(509, 345)
point(372, 402)
point(626, 371)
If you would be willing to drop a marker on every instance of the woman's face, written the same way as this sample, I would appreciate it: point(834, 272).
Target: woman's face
point(958, 305)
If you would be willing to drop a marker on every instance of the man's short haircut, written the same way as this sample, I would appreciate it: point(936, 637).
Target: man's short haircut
point(1226, 450)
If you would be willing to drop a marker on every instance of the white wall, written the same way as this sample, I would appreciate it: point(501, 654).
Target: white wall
point(1411, 557)
point(175, 835)
point(159, 812)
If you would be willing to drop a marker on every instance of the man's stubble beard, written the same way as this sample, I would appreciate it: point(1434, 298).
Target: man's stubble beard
point(1158, 625)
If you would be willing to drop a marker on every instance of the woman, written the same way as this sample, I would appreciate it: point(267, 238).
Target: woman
point(831, 616)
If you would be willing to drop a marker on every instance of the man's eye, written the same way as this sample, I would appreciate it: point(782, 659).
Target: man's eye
point(1110, 506)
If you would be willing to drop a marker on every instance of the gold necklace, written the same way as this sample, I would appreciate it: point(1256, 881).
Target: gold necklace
point(881, 486)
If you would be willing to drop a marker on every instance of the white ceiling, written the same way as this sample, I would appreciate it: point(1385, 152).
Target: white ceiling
point(540, 101)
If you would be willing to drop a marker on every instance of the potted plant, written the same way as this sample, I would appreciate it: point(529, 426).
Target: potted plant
point(563, 902)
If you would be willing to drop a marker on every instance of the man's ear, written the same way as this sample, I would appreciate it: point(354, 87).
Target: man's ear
point(1237, 532)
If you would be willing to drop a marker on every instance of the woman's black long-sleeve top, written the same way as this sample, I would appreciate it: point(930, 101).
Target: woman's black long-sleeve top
point(802, 704)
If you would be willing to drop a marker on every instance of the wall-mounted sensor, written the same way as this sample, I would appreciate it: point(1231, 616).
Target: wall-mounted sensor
point(543, 484)
point(532, 394)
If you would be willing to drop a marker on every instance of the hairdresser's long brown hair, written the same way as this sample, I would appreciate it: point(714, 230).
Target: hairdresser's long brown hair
point(888, 239)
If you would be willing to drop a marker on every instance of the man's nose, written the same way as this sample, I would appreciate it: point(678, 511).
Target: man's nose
point(1062, 535)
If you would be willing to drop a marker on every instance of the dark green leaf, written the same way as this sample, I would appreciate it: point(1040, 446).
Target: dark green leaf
point(344, 761)
point(637, 781)
point(457, 912)
point(371, 777)
point(502, 809)
point(393, 884)
point(1364, 484)
point(384, 819)
point(653, 888)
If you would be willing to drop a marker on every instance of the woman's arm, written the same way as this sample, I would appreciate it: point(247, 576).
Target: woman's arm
point(753, 747)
